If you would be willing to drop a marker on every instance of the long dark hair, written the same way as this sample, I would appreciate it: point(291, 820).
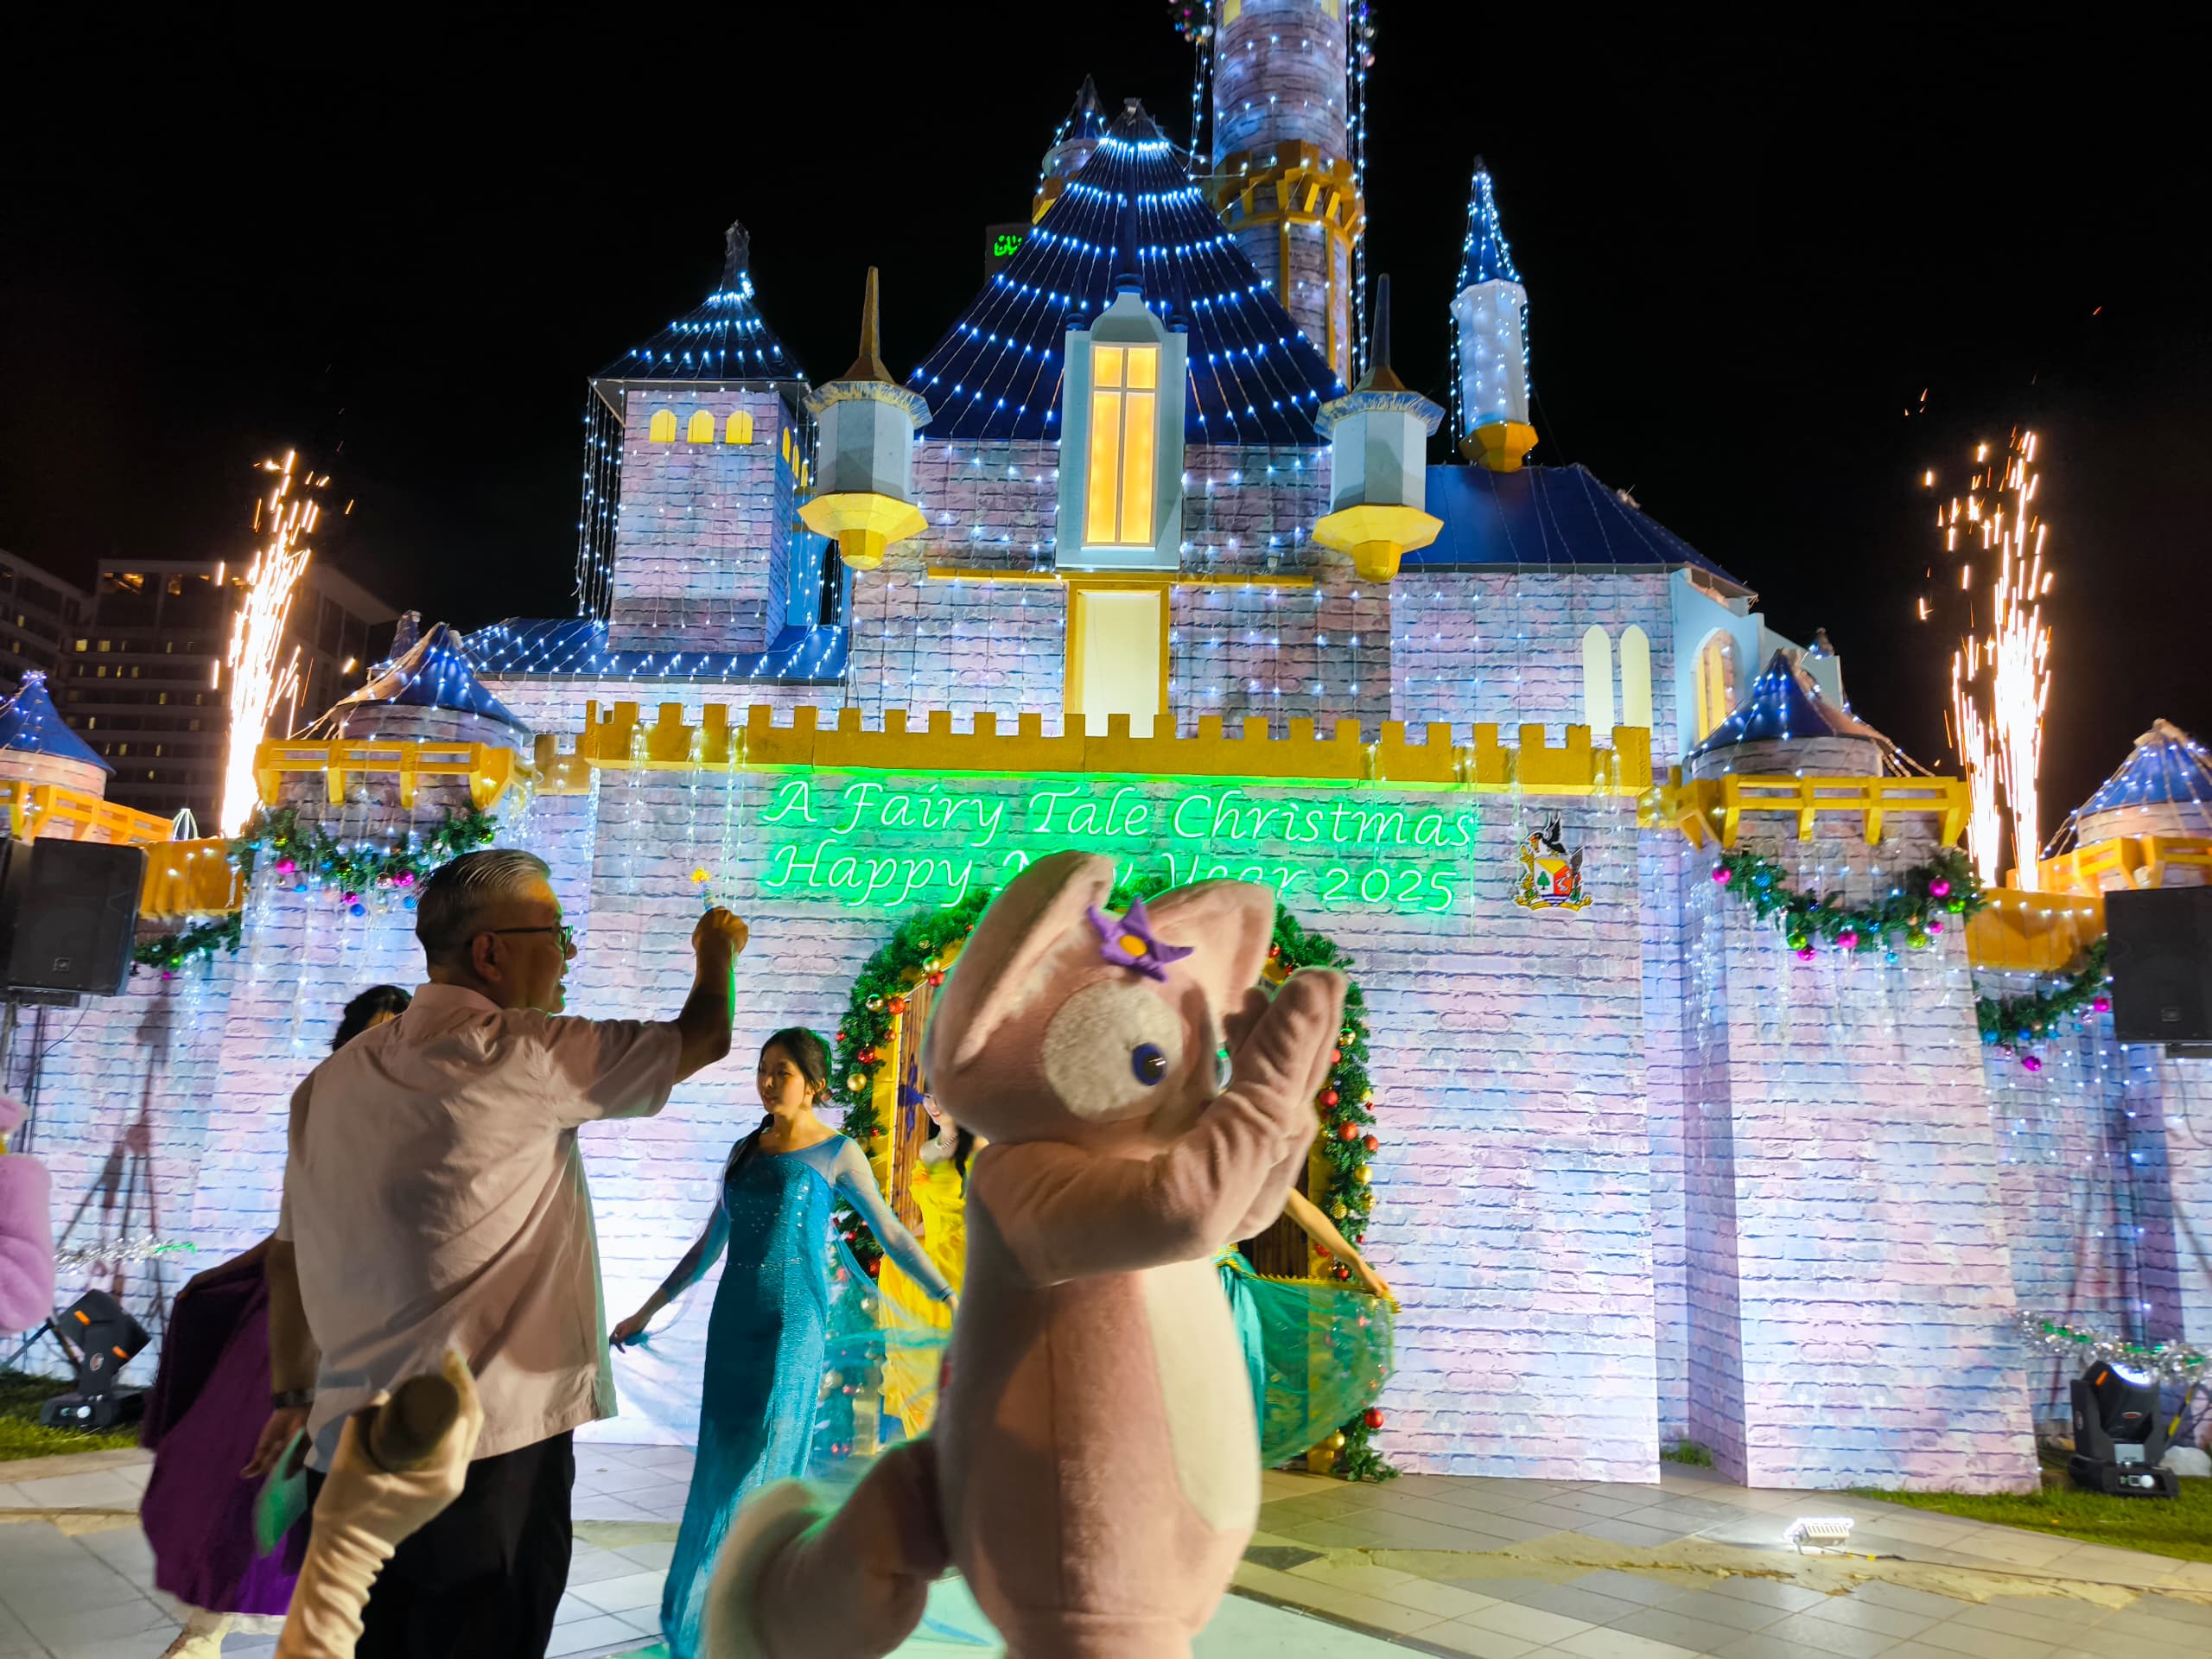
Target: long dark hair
point(811, 1056)
point(963, 1144)
point(366, 1009)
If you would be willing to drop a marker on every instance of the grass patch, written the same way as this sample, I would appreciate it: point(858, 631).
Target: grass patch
point(21, 1435)
point(2180, 1526)
point(1690, 1451)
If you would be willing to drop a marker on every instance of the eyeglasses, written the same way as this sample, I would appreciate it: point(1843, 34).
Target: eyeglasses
point(568, 934)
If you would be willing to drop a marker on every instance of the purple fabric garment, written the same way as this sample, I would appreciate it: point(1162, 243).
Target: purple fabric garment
point(209, 1403)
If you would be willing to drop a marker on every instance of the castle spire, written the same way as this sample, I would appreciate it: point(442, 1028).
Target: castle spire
point(1490, 322)
point(868, 366)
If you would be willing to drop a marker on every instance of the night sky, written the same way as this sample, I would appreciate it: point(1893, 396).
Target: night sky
point(1748, 254)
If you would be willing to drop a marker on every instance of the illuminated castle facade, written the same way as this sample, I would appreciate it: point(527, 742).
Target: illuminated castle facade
point(1148, 554)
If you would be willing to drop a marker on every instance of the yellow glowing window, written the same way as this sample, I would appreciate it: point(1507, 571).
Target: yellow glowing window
point(1116, 656)
point(662, 429)
point(701, 429)
point(741, 427)
point(1118, 482)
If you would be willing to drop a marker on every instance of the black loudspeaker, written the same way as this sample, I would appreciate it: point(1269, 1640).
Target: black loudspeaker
point(2161, 962)
point(69, 914)
point(100, 1339)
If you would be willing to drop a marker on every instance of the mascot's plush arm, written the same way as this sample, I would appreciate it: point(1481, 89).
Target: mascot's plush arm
point(1066, 1213)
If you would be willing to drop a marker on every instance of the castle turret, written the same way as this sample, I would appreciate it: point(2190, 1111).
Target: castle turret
point(695, 450)
point(1284, 180)
point(36, 747)
point(2163, 788)
point(1787, 725)
point(1378, 437)
point(1071, 147)
point(1490, 324)
point(867, 422)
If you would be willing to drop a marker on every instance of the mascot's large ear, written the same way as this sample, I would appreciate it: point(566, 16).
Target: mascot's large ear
point(1230, 924)
point(1003, 967)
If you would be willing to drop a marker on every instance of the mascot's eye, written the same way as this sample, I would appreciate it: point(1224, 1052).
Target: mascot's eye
point(1109, 1046)
point(1148, 1062)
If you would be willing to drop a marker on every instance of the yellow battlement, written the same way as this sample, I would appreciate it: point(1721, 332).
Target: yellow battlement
point(55, 811)
point(2033, 932)
point(617, 738)
point(491, 770)
point(2125, 861)
point(1717, 806)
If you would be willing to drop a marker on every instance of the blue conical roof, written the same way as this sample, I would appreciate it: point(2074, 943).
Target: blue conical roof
point(2168, 768)
point(1483, 255)
point(29, 724)
point(725, 339)
point(1785, 701)
point(1254, 379)
point(431, 673)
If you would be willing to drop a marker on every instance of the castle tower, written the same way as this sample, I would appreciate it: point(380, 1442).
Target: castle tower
point(1284, 179)
point(1378, 439)
point(1489, 328)
point(697, 452)
point(1072, 145)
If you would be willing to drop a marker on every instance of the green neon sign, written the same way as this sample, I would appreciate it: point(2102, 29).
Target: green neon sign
point(1006, 242)
point(862, 842)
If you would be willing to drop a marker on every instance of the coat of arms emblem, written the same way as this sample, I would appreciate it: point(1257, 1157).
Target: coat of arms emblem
point(1551, 877)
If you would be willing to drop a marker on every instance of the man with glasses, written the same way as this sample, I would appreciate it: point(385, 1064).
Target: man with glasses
point(435, 1198)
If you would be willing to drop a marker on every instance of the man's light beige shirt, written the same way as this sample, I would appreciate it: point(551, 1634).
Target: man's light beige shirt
point(435, 1198)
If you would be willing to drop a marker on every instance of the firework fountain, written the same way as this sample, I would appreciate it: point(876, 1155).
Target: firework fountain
point(261, 674)
point(2000, 673)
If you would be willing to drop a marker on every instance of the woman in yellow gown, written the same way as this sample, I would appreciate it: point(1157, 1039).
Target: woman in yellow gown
point(939, 1189)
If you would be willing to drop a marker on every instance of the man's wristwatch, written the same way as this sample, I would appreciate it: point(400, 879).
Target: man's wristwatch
point(291, 1399)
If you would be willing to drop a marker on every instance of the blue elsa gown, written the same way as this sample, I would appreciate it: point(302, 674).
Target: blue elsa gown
point(766, 1341)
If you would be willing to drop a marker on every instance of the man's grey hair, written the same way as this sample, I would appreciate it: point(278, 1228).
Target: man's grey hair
point(449, 909)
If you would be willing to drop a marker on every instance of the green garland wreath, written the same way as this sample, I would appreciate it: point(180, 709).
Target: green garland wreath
point(1347, 1142)
point(1916, 907)
point(2012, 1022)
point(313, 857)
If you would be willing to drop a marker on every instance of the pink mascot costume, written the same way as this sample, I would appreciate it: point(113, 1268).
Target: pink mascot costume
point(1095, 1471)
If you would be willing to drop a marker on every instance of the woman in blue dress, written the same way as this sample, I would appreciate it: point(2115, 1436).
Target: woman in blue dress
point(768, 1335)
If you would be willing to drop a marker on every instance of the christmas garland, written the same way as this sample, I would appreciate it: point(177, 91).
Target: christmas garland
point(2175, 1362)
point(310, 856)
point(170, 951)
point(1917, 907)
point(1348, 1142)
point(864, 1036)
point(2012, 1022)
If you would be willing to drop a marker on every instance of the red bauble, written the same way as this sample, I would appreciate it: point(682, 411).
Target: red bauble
point(1347, 1131)
point(1370, 1142)
point(1336, 1057)
point(841, 1036)
point(1330, 1097)
point(1343, 1271)
point(1371, 1417)
point(898, 1005)
point(937, 978)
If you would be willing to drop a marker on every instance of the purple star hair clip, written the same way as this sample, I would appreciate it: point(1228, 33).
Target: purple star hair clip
point(1129, 941)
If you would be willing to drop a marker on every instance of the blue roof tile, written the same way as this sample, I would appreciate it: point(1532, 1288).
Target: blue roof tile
point(432, 672)
point(2168, 768)
point(725, 338)
point(29, 724)
point(1547, 517)
point(1786, 702)
point(521, 647)
point(1254, 377)
point(1483, 255)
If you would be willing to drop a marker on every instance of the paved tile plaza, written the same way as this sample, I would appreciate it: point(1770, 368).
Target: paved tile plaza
point(1498, 1569)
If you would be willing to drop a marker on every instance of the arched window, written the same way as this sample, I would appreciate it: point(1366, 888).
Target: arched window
point(662, 429)
point(1636, 677)
point(1716, 681)
point(701, 429)
point(739, 429)
point(1597, 680)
